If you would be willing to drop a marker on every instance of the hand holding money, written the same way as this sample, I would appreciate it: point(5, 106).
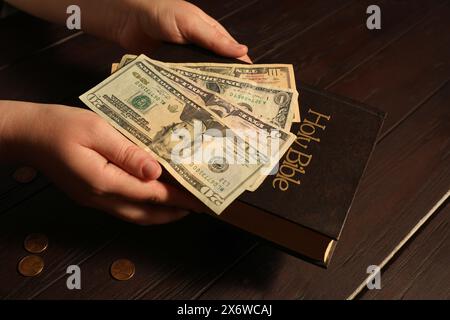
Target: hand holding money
point(183, 22)
point(158, 106)
point(89, 160)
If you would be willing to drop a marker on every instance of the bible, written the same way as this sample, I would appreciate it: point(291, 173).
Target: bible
point(303, 206)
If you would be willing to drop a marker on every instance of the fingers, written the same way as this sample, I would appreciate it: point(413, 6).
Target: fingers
point(118, 182)
point(126, 155)
point(246, 59)
point(212, 36)
point(112, 165)
point(109, 179)
point(139, 213)
point(215, 24)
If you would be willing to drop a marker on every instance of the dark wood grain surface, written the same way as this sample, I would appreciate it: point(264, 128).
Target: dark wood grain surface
point(403, 69)
point(23, 36)
point(421, 269)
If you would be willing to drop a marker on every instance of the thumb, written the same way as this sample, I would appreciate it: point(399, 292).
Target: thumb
point(126, 155)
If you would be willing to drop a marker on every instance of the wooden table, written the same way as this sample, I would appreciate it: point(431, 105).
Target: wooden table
point(400, 219)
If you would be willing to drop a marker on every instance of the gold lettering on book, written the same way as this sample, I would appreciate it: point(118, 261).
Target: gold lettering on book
point(297, 158)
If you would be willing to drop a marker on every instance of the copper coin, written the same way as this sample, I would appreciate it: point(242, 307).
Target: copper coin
point(31, 266)
point(122, 269)
point(36, 243)
point(25, 174)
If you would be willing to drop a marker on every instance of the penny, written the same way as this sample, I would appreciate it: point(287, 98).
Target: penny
point(122, 269)
point(31, 266)
point(36, 243)
point(25, 175)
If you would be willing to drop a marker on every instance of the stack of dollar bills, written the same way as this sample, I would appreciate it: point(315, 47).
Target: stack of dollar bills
point(218, 129)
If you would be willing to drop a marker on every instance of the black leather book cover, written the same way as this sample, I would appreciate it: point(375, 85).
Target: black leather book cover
point(318, 177)
point(303, 207)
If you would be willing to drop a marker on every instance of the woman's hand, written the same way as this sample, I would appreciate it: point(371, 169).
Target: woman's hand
point(91, 161)
point(138, 24)
point(175, 21)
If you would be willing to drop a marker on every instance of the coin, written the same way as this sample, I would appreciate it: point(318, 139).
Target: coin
point(36, 243)
point(30, 266)
point(25, 174)
point(122, 269)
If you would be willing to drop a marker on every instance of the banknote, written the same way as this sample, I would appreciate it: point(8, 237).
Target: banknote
point(272, 104)
point(272, 141)
point(280, 76)
point(153, 112)
point(275, 75)
point(207, 93)
point(126, 59)
point(283, 77)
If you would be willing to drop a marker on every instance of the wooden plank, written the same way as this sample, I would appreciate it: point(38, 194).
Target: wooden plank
point(327, 51)
point(158, 253)
point(23, 35)
point(421, 269)
point(7, 177)
point(61, 72)
point(408, 174)
point(225, 9)
point(274, 23)
point(12, 192)
point(265, 25)
point(74, 234)
point(406, 73)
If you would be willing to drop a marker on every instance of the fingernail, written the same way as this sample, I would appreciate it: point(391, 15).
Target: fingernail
point(151, 170)
point(246, 58)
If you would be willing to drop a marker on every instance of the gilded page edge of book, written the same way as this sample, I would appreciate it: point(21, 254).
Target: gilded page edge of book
point(297, 240)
